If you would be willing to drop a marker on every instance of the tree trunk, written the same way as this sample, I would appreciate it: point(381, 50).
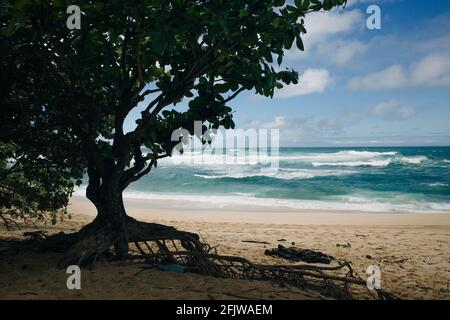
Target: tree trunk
point(111, 212)
point(113, 228)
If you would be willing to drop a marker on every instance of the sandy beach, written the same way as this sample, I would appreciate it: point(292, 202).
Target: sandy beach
point(412, 250)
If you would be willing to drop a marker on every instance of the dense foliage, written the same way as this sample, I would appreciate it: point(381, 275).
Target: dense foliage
point(66, 93)
point(30, 190)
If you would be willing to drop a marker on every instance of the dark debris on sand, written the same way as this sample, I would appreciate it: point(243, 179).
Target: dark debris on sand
point(298, 254)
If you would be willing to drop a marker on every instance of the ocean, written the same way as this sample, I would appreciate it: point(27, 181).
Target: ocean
point(406, 179)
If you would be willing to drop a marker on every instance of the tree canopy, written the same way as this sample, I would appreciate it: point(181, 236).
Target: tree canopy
point(206, 52)
point(67, 92)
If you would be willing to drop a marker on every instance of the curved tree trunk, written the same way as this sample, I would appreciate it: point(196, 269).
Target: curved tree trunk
point(112, 228)
point(111, 213)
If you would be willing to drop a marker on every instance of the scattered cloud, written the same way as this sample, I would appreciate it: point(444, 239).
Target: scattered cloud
point(351, 3)
point(341, 51)
point(325, 36)
point(385, 140)
point(277, 123)
point(392, 110)
point(311, 81)
point(388, 111)
point(320, 26)
point(433, 70)
point(291, 130)
point(300, 129)
point(390, 78)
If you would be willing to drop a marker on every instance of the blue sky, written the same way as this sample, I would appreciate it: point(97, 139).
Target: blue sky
point(361, 87)
point(366, 87)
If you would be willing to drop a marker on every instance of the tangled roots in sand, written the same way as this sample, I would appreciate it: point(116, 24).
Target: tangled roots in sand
point(157, 245)
point(339, 281)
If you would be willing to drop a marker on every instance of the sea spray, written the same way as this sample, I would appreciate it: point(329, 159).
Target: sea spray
point(359, 179)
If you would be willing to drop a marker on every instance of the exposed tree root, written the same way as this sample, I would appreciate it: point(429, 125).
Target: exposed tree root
point(155, 244)
point(90, 245)
point(95, 239)
point(330, 281)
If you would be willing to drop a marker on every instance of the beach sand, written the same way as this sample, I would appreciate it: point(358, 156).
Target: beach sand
point(412, 251)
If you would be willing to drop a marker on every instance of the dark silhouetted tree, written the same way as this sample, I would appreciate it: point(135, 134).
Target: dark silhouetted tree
point(84, 83)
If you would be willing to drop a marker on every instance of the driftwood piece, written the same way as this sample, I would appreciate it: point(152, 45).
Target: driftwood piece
point(348, 245)
point(254, 241)
point(297, 254)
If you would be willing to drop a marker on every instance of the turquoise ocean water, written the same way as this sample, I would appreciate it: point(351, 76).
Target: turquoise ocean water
point(412, 179)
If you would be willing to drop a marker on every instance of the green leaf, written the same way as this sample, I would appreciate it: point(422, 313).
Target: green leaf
point(299, 43)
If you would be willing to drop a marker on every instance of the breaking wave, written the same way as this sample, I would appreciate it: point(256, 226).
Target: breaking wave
point(282, 174)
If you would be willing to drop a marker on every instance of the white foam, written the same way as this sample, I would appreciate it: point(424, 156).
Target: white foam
point(282, 174)
point(368, 203)
point(346, 203)
point(437, 184)
point(380, 162)
point(413, 159)
point(370, 163)
point(342, 156)
point(251, 157)
point(349, 158)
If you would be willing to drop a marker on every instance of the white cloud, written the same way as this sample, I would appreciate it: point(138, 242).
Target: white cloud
point(321, 25)
point(321, 40)
point(341, 51)
point(393, 110)
point(433, 70)
point(294, 130)
point(291, 130)
point(351, 3)
point(311, 81)
point(276, 123)
point(390, 78)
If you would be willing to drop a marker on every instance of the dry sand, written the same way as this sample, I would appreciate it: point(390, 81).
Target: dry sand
point(412, 250)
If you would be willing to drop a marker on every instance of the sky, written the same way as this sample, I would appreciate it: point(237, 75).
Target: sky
point(361, 87)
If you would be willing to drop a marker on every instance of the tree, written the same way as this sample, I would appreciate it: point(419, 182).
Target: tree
point(160, 52)
point(30, 190)
point(37, 169)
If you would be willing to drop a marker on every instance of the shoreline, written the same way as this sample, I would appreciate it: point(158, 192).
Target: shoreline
point(157, 210)
point(244, 202)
